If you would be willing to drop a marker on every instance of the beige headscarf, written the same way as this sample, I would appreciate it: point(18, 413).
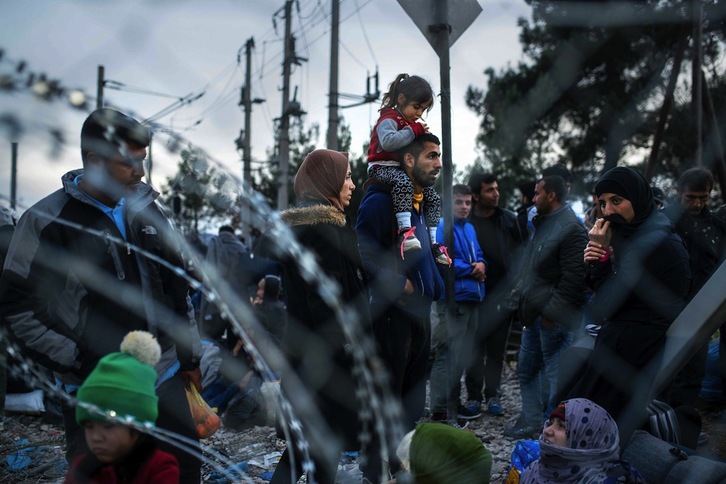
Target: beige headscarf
point(321, 176)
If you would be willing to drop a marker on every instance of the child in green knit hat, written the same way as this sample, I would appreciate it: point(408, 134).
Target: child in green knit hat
point(122, 385)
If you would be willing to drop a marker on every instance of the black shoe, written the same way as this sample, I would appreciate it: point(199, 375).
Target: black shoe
point(438, 417)
point(523, 431)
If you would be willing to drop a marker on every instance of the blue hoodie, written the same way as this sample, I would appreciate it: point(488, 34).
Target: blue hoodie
point(376, 228)
point(466, 251)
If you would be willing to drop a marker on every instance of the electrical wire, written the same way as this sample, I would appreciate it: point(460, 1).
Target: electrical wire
point(365, 34)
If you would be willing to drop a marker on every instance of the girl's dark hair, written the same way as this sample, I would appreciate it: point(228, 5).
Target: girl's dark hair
point(414, 88)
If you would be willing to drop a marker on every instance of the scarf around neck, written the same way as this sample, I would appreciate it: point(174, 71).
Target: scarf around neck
point(592, 452)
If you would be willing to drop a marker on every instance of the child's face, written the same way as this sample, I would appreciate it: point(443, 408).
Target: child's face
point(555, 433)
point(109, 442)
point(412, 111)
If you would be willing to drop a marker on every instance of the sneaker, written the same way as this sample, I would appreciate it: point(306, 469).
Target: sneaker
point(520, 431)
point(466, 413)
point(441, 254)
point(494, 407)
point(407, 240)
point(473, 405)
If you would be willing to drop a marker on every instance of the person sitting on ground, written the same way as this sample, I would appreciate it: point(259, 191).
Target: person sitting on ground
point(580, 443)
point(269, 307)
point(121, 385)
point(436, 453)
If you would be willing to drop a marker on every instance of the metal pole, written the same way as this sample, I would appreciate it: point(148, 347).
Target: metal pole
point(246, 146)
point(99, 88)
point(333, 90)
point(442, 29)
point(13, 175)
point(282, 192)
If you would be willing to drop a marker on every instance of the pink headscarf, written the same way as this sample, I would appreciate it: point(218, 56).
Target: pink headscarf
point(321, 176)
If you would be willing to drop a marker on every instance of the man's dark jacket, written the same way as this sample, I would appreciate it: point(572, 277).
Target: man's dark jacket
point(552, 274)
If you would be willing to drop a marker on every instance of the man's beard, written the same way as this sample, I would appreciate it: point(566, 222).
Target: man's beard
point(421, 177)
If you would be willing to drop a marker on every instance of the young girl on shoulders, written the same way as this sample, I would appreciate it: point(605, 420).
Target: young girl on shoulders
point(402, 108)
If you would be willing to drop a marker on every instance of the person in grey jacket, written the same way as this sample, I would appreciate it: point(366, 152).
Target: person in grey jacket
point(79, 276)
point(551, 293)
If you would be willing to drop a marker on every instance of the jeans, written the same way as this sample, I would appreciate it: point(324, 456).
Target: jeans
point(453, 345)
point(537, 367)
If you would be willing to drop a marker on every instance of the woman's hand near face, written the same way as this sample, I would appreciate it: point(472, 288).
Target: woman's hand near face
point(594, 252)
point(600, 232)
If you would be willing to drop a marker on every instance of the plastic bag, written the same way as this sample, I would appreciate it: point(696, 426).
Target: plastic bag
point(205, 419)
point(525, 452)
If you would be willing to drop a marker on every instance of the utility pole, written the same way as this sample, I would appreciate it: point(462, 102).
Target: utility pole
point(284, 152)
point(247, 100)
point(13, 175)
point(333, 89)
point(99, 88)
point(696, 88)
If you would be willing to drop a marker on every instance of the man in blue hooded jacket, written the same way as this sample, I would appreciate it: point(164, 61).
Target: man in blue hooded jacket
point(402, 290)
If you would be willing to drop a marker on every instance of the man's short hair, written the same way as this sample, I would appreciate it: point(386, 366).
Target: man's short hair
point(527, 189)
point(477, 178)
point(460, 189)
point(560, 170)
point(105, 129)
point(697, 179)
point(226, 228)
point(556, 184)
point(417, 145)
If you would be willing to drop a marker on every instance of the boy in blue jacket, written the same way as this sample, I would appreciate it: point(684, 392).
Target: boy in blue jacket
point(453, 337)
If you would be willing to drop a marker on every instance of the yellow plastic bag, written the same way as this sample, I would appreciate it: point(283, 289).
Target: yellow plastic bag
point(205, 419)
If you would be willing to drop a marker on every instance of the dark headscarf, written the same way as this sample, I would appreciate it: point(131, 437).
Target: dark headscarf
point(272, 288)
point(321, 176)
point(591, 454)
point(631, 185)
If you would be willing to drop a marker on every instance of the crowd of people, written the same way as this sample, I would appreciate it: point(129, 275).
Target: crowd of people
point(98, 260)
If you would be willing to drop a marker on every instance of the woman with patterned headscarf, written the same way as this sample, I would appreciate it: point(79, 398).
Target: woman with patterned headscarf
point(314, 343)
point(579, 443)
point(639, 270)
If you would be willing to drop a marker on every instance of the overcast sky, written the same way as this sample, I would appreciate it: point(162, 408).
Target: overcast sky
point(176, 48)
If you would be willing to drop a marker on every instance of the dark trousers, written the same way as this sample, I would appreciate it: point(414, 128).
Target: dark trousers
point(491, 343)
point(174, 415)
point(620, 372)
point(403, 343)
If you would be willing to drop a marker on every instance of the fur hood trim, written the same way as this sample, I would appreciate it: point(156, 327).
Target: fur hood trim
point(313, 215)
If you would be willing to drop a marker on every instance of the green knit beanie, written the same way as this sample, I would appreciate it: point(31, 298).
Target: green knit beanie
point(124, 382)
point(440, 454)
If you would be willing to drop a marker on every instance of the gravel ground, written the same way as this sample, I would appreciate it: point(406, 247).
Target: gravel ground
point(36, 448)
